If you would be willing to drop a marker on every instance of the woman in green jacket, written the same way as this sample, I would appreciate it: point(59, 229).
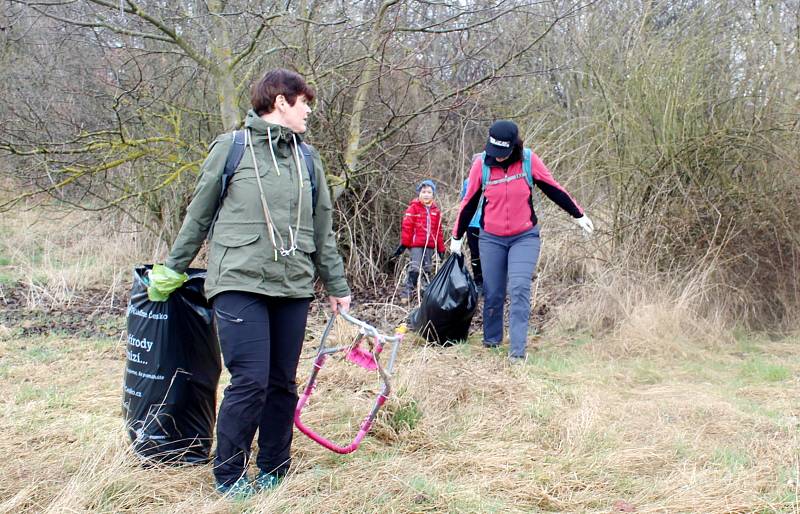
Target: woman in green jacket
point(269, 238)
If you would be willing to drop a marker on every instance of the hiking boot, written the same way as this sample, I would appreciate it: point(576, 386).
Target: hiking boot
point(240, 490)
point(265, 481)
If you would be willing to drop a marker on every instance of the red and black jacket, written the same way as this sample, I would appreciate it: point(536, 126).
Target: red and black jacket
point(422, 226)
point(507, 208)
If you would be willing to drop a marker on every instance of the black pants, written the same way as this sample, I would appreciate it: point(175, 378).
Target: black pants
point(261, 338)
point(473, 234)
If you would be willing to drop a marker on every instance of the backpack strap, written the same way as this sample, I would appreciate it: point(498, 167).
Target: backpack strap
point(526, 166)
point(231, 163)
point(507, 178)
point(526, 172)
point(312, 175)
point(526, 169)
point(484, 172)
point(484, 182)
point(235, 157)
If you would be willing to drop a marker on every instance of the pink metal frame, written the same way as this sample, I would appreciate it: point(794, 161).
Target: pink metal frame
point(319, 361)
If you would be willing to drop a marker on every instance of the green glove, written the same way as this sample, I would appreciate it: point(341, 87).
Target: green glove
point(163, 281)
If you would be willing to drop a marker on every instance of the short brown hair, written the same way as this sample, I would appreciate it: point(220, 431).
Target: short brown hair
point(278, 82)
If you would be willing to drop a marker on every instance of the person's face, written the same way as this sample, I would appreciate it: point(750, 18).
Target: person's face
point(294, 116)
point(426, 195)
point(501, 159)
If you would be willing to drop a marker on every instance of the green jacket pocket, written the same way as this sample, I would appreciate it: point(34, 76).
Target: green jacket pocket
point(235, 254)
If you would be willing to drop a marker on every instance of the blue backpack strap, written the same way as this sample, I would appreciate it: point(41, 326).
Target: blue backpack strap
point(312, 175)
point(485, 172)
point(484, 180)
point(526, 166)
point(526, 171)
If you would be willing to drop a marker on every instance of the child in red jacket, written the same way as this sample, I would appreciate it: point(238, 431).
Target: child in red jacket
point(422, 233)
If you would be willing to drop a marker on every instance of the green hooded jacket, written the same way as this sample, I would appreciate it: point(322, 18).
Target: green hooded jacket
point(242, 256)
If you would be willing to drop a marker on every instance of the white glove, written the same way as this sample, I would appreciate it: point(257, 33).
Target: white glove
point(455, 245)
point(585, 223)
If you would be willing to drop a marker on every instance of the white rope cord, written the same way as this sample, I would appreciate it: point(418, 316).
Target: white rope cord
point(299, 193)
point(279, 245)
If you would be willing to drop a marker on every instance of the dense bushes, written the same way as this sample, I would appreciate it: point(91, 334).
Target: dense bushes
point(674, 123)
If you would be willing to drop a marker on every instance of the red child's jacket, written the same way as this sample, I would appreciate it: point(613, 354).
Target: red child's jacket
point(422, 227)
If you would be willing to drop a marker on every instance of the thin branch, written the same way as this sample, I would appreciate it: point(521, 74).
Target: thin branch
point(430, 30)
point(191, 52)
point(254, 40)
point(425, 109)
point(74, 175)
point(113, 28)
point(11, 149)
point(323, 23)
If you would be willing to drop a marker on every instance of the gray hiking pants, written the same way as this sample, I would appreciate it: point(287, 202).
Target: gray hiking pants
point(420, 260)
point(508, 264)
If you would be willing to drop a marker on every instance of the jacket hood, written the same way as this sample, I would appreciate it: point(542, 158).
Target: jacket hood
point(260, 128)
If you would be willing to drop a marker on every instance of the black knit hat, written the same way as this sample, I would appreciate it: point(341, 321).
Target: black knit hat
point(503, 135)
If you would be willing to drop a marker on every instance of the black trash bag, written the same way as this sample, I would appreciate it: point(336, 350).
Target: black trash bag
point(448, 304)
point(171, 374)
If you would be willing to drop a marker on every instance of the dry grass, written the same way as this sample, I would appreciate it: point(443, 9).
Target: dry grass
point(637, 308)
point(572, 431)
point(58, 254)
point(631, 395)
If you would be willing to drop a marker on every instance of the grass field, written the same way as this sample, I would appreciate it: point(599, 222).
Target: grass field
point(570, 431)
point(675, 421)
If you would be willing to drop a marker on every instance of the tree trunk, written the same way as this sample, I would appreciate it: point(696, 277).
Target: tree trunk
point(360, 101)
point(223, 68)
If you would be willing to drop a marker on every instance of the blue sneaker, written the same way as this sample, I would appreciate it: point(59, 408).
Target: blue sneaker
point(265, 481)
point(240, 490)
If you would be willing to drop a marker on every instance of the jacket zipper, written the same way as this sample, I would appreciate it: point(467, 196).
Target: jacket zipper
point(505, 201)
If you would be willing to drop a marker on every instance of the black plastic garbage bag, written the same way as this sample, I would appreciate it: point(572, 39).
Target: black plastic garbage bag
point(171, 374)
point(448, 304)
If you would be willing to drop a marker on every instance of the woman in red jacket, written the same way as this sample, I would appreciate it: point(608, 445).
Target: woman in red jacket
point(422, 233)
point(509, 236)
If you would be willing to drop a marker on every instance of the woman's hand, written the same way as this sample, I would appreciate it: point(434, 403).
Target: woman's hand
point(339, 304)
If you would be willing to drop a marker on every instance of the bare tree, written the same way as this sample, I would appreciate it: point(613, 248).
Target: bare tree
point(390, 70)
point(676, 120)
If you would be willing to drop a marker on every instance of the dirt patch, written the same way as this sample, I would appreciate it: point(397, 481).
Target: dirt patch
point(92, 313)
point(89, 314)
